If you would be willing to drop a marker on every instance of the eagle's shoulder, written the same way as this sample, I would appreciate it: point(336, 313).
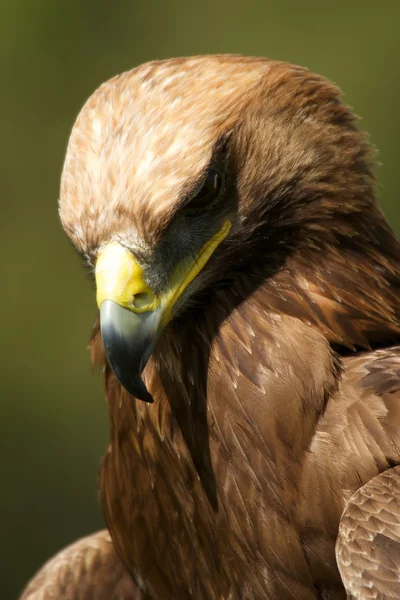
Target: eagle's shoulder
point(359, 434)
point(372, 383)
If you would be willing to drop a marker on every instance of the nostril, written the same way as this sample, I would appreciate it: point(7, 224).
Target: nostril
point(142, 300)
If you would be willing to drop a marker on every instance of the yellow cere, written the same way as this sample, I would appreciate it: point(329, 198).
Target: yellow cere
point(121, 279)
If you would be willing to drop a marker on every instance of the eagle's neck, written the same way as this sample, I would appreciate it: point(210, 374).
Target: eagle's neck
point(219, 360)
point(227, 434)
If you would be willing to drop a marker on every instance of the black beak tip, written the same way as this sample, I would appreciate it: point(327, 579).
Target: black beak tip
point(129, 377)
point(139, 391)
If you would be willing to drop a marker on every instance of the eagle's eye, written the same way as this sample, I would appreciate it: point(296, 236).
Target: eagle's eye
point(208, 192)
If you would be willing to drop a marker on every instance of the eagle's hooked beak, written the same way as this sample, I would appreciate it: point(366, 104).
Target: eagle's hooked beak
point(132, 316)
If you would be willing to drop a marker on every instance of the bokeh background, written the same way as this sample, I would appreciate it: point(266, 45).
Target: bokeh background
point(53, 54)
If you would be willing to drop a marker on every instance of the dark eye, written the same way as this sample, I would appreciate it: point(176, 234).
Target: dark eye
point(209, 191)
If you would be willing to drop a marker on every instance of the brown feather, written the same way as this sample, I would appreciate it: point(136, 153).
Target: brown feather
point(88, 569)
point(368, 546)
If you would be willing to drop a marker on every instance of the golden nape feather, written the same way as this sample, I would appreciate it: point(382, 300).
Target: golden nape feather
point(249, 316)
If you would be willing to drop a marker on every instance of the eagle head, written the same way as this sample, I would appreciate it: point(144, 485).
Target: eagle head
point(182, 173)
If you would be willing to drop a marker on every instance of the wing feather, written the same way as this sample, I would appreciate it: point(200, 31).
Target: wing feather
point(88, 569)
point(368, 545)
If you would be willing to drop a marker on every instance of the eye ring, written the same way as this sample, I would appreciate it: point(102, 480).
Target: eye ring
point(208, 193)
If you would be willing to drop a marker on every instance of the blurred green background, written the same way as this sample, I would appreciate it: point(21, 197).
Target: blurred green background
point(53, 54)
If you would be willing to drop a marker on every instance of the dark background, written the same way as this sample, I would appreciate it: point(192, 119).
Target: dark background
point(53, 54)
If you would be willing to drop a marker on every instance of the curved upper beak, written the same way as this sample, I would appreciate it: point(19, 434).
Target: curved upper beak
point(129, 339)
point(132, 316)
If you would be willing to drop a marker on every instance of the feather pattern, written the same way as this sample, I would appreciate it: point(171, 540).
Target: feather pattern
point(88, 568)
point(368, 545)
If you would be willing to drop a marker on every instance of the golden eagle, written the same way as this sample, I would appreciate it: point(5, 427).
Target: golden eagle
point(248, 287)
